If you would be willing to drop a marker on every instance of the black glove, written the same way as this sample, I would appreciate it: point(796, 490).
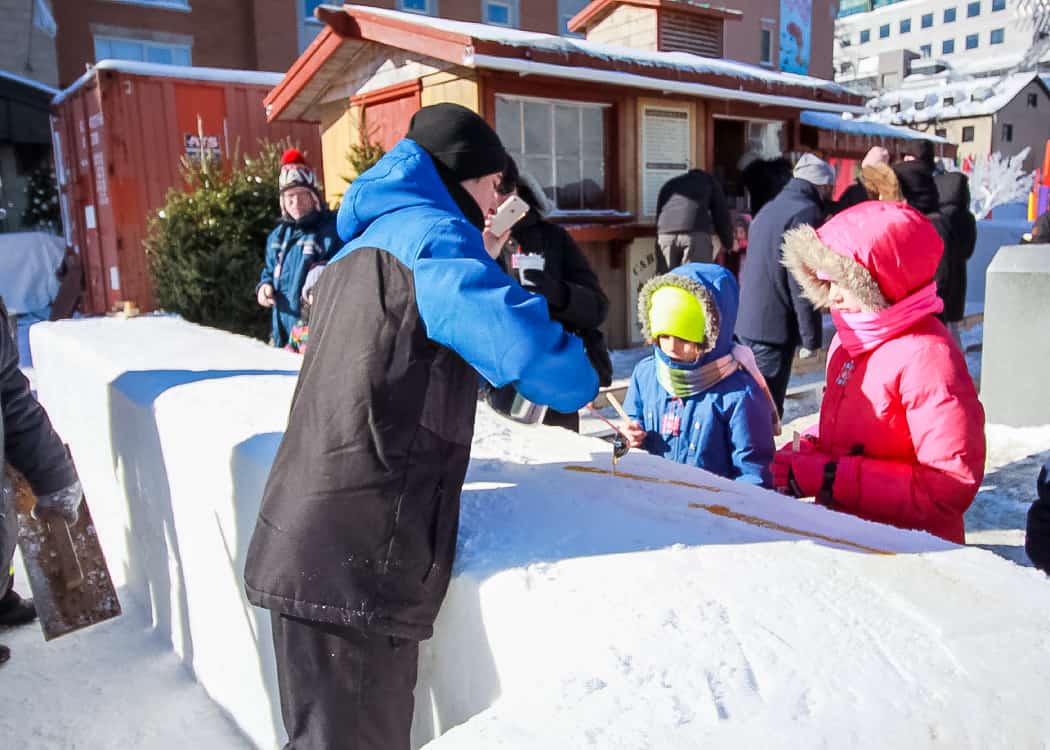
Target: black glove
point(598, 354)
point(555, 290)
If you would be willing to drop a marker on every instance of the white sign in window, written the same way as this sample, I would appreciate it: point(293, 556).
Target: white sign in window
point(561, 144)
point(665, 151)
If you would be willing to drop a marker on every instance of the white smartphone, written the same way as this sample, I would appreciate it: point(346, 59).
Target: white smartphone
point(509, 213)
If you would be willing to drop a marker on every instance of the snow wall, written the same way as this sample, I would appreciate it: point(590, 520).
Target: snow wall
point(586, 610)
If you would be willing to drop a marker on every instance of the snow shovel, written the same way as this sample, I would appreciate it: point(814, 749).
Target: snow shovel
point(67, 571)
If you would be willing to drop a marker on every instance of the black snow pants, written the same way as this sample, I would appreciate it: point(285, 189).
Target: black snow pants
point(343, 688)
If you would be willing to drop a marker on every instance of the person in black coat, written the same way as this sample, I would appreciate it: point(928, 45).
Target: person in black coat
point(1037, 535)
point(691, 210)
point(915, 174)
point(31, 445)
point(953, 189)
point(774, 317)
point(567, 282)
point(764, 179)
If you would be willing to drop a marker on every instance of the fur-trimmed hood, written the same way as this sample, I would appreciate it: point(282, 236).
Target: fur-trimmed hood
point(881, 251)
point(718, 293)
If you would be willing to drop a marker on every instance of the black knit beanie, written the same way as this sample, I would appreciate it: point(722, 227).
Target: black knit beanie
point(920, 149)
point(459, 140)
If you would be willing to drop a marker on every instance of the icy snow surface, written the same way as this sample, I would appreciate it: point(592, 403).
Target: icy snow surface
point(586, 610)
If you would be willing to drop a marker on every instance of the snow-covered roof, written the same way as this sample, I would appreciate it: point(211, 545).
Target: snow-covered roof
point(682, 61)
point(188, 72)
point(855, 126)
point(939, 97)
point(29, 82)
point(481, 46)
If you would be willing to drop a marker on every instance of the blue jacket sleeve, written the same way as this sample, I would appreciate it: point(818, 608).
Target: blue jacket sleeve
point(751, 435)
point(632, 402)
point(273, 242)
point(469, 305)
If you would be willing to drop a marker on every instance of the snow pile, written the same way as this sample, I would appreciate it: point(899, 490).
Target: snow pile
point(586, 609)
point(29, 262)
point(932, 98)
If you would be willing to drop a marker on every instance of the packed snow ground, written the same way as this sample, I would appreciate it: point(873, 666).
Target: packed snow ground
point(593, 611)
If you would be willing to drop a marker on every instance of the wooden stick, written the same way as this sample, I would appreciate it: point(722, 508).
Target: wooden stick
point(619, 409)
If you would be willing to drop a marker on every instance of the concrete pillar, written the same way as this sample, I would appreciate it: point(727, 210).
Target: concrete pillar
point(1016, 352)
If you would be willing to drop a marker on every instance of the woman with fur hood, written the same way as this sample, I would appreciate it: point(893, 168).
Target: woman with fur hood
point(901, 433)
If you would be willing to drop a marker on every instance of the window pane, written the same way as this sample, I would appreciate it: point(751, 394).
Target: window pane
point(593, 146)
point(508, 123)
point(865, 36)
point(926, 50)
point(538, 129)
point(497, 13)
point(593, 179)
point(998, 36)
point(419, 6)
point(973, 9)
point(102, 49)
point(160, 55)
point(567, 131)
point(971, 41)
point(949, 15)
point(542, 168)
point(124, 50)
point(948, 46)
point(927, 20)
point(884, 31)
point(568, 195)
point(181, 56)
point(998, 5)
point(906, 26)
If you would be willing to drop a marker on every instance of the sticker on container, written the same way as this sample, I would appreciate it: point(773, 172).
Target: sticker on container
point(89, 217)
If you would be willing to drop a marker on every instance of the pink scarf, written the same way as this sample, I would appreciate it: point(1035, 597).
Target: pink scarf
point(862, 332)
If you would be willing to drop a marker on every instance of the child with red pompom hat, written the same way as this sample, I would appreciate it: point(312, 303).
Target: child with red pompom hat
point(304, 238)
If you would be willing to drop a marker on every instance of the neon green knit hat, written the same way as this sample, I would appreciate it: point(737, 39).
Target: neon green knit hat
point(675, 312)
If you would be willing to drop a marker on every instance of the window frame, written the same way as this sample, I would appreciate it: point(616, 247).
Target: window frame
point(513, 13)
point(567, 14)
point(972, 41)
point(1006, 133)
point(428, 5)
point(926, 50)
point(905, 26)
point(973, 9)
point(884, 28)
point(1001, 31)
point(941, 132)
point(948, 46)
point(146, 43)
point(968, 130)
point(923, 21)
point(946, 18)
point(606, 108)
point(765, 33)
point(998, 5)
point(865, 36)
point(1033, 100)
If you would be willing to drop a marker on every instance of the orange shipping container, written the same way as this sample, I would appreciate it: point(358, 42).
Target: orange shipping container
point(119, 134)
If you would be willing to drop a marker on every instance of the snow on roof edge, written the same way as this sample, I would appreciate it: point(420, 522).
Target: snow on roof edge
point(619, 78)
point(221, 75)
point(860, 126)
point(28, 82)
point(681, 61)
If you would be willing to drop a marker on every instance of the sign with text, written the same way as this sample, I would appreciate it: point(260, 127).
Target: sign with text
point(665, 151)
point(198, 145)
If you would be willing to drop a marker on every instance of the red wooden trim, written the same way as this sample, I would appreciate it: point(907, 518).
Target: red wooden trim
point(609, 232)
point(388, 93)
point(302, 70)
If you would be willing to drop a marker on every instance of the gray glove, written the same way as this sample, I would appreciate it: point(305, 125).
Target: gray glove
point(62, 503)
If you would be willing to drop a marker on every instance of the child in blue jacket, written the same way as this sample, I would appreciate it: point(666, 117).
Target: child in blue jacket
point(305, 237)
point(695, 399)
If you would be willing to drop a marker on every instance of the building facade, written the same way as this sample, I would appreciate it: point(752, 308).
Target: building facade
point(878, 44)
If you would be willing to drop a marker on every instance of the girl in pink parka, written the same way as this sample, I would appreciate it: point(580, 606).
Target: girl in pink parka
point(901, 433)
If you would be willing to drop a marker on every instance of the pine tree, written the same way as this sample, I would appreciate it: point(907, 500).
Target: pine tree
point(42, 210)
point(207, 246)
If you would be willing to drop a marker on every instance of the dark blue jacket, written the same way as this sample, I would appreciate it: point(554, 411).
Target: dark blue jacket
point(292, 249)
point(772, 308)
point(727, 429)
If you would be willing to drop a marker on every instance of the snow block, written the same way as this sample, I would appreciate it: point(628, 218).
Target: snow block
point(659, 607)
point(992, 234)
point(1016, 354)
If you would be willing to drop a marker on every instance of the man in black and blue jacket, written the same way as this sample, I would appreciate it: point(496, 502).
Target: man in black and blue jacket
point(356, 536)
